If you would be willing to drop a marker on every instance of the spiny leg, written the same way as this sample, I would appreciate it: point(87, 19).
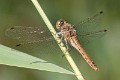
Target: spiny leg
point(67, 46)
point(61, 38)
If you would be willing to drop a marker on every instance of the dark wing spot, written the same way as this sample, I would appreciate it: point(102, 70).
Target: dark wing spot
point(12, 28)
point(18, 45)
point(101, 12)
point(105, 30)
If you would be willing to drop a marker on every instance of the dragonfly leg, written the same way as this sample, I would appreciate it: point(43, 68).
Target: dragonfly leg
point(53, 33)
point(66, 44)
point(61, 39)
point(57, 34)
point(68, 47)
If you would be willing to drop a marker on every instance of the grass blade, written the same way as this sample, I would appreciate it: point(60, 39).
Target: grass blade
point(11, 57)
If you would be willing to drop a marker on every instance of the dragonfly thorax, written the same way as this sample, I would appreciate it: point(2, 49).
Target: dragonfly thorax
point(65, 28)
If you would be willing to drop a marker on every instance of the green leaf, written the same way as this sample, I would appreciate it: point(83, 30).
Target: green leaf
point(11, 57)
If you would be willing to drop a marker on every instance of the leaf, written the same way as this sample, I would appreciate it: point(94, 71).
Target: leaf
point(11, 57)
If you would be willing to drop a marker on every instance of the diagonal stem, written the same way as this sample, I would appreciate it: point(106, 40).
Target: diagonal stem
point(63, 48)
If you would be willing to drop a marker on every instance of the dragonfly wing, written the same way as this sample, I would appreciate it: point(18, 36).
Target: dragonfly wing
point(90, 24)
point(86, 38)
point(29, 34)
point(89, 29)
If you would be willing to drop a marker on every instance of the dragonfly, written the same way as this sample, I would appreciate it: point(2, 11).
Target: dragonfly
point(68, 33)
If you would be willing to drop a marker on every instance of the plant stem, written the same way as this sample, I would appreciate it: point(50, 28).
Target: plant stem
point(63, 48)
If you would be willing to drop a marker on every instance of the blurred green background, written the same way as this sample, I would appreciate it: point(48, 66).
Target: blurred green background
point(105, 51)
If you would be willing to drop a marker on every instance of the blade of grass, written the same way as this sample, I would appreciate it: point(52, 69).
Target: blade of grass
point(11, 57)
point(52, 30)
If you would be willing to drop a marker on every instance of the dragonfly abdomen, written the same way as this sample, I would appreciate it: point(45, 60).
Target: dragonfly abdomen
point(75, 43)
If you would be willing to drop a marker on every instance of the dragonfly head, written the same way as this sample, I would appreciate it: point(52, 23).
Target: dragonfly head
point(60, 23)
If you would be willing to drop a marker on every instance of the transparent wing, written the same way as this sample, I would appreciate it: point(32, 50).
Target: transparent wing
point(90, 24)
point(47, 48)
point(86, 38)
point(29, 34)
point(90, 29)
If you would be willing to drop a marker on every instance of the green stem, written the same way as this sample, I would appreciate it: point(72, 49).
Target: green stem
point(63, 48)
